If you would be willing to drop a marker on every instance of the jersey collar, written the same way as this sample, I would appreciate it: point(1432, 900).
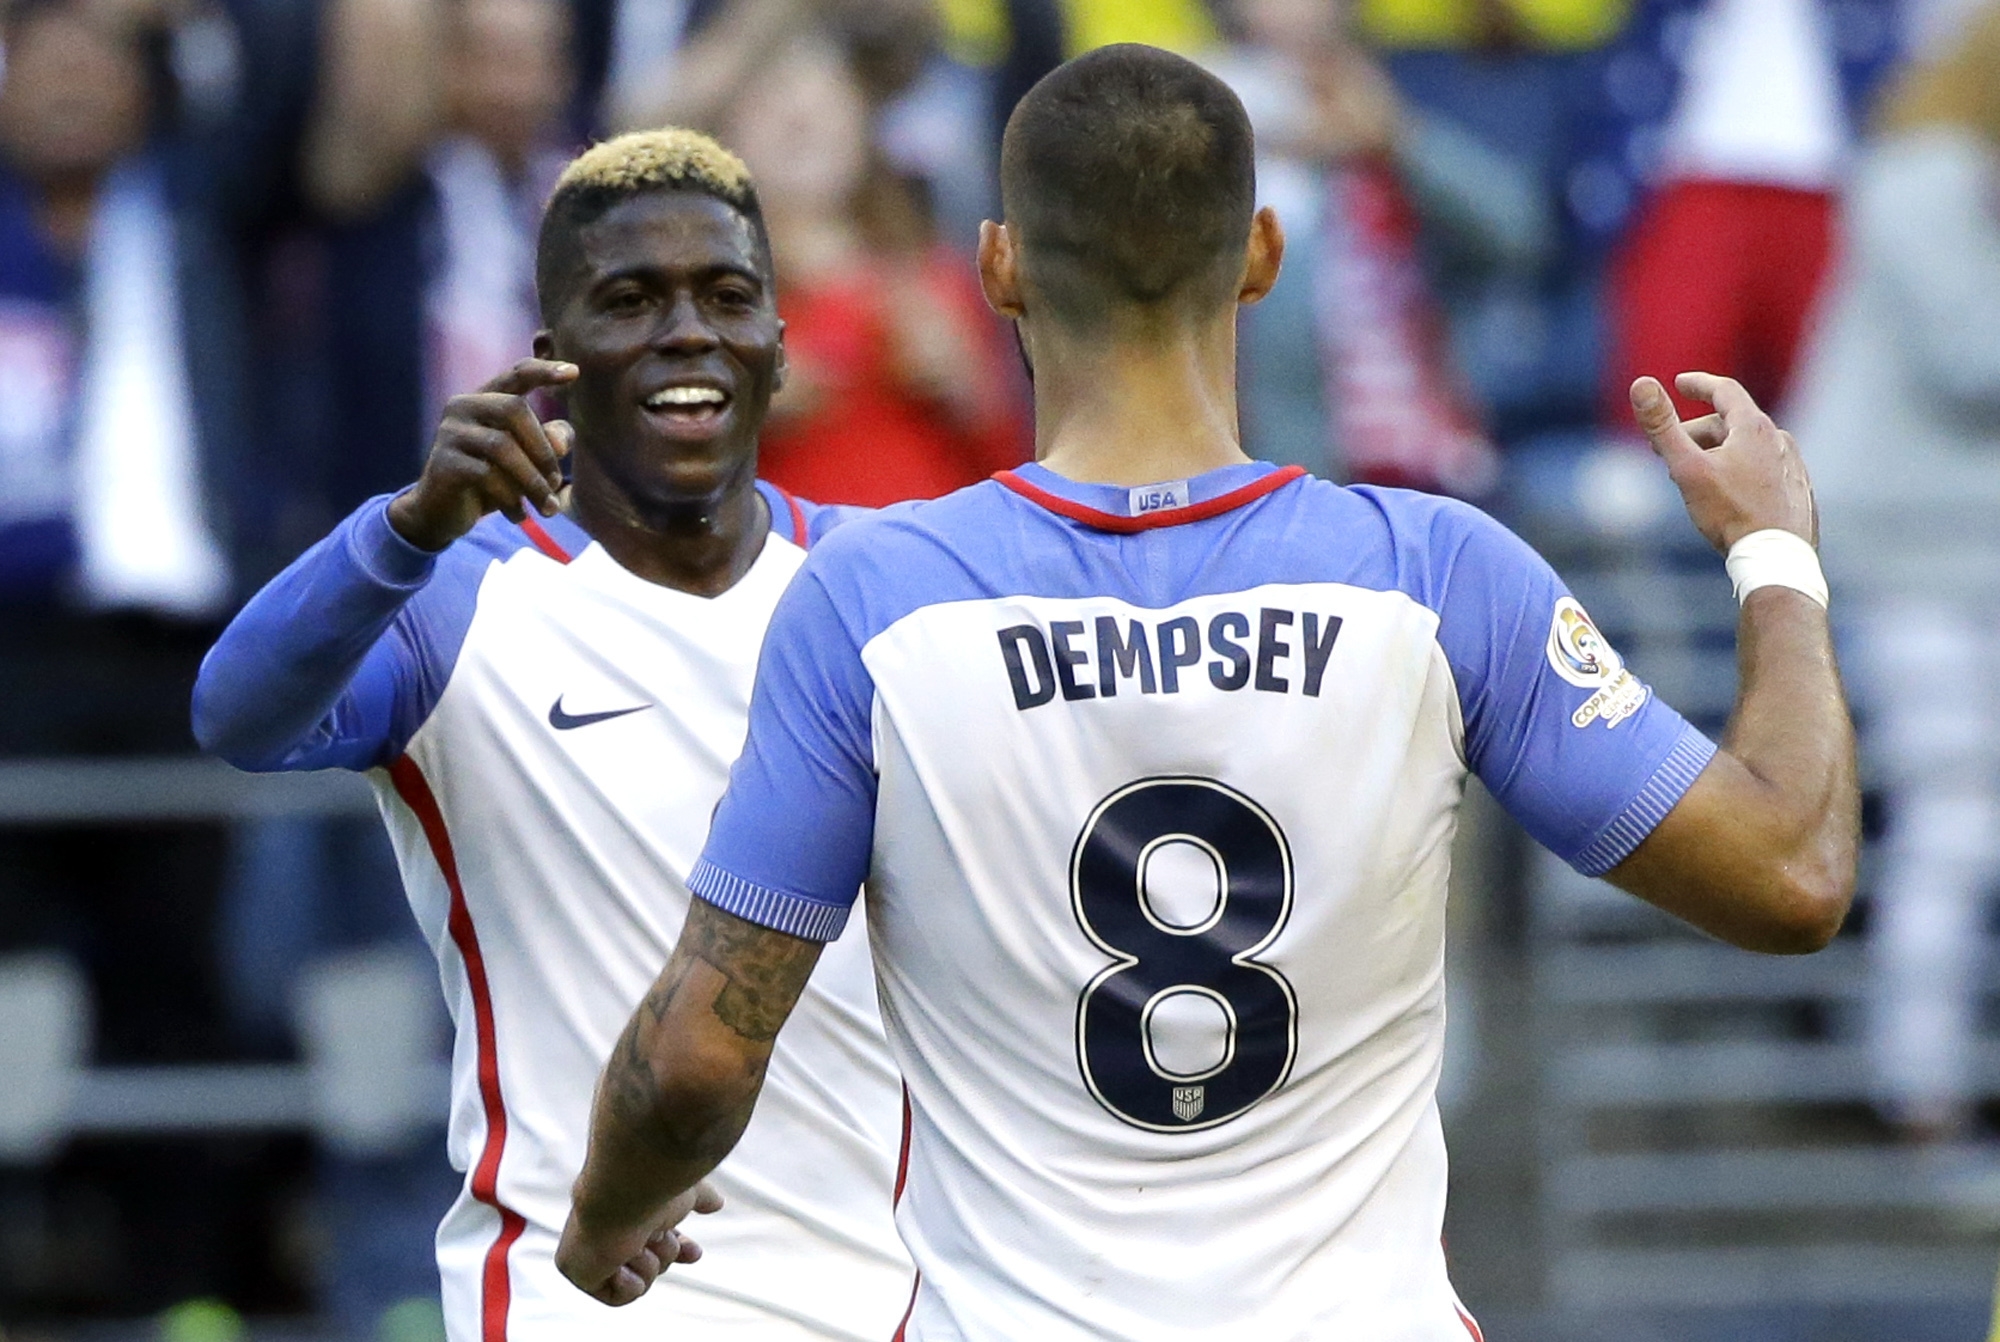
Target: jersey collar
point(1110, 507)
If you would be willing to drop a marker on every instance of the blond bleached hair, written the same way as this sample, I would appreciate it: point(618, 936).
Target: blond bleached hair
point(649, 160)
point(669, 159)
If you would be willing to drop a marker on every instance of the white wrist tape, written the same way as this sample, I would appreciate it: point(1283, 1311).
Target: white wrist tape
point(1775, 558)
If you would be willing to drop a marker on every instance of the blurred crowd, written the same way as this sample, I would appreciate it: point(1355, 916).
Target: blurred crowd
point(249, 247)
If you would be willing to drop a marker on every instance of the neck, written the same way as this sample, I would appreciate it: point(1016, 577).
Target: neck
point(700, 548)
point(1131, 410)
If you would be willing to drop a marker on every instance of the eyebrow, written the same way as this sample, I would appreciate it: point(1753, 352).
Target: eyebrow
point(708, 273)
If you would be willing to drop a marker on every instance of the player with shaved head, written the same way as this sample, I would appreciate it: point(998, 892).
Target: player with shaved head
point(546, 684)
point(1150, 756)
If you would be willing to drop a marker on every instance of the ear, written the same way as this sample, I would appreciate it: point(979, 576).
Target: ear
point(999, 270)
point(1264, 257)
point(783, 365)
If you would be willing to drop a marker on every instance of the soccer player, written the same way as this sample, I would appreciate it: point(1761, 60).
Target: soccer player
point(1151, 756)
point(547, 701)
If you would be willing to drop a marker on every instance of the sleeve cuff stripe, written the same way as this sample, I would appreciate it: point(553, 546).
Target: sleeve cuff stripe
point(1666, 787)
point(775, 909)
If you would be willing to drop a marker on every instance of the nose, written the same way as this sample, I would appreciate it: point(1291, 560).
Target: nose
point(685, 330)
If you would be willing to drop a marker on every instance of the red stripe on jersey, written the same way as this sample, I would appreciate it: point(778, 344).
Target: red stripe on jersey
point(1471, 1325)
point(903, 1157)
point(544, 542)
point(799, 536)
point(902, 1177)
point(903, 1327)
point(496, 1290)
point(1166, 517)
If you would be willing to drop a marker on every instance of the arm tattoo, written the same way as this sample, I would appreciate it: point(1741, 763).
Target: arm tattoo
point(765, 970)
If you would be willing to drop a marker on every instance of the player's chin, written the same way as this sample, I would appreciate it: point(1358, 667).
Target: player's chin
point(697, 481)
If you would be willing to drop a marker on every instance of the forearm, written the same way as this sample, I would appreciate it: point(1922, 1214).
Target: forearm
point(268, 688)
point(1791, 731)
point(379, 102)
point(715, 67)
point(680, 1086)
point(661, 1121)
point(1761, 852)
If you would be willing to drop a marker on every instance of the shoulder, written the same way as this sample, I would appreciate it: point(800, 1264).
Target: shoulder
point(801, 521)
point(463, 567)
point(1428, 543)
point(881, 564)
point(494, 537)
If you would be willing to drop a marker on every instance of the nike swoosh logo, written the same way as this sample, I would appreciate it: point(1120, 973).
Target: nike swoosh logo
point(569, 722)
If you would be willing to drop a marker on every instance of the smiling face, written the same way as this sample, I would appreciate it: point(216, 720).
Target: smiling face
point(668, 314)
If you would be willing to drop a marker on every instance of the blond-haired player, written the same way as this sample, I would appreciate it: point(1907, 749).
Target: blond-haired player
point(548, 701)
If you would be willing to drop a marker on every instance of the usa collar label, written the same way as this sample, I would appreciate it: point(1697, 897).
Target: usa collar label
point(1158, 498)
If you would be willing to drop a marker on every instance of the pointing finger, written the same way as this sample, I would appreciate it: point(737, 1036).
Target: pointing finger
point(706, 1199)
point(529, 374)
point(1654, 410)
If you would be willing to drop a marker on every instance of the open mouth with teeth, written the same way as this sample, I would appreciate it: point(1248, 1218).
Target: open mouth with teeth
point(687, 406)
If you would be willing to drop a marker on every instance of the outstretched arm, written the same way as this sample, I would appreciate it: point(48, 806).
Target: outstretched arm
point(1761, 850)
point(675, 1097)
point(304, 677)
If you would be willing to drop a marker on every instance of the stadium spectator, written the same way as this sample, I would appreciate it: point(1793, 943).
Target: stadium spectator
point(1345, 370)
point(440, 130)
point(929, 84)
point(137, 160)
point(1899, 411)
point(899, 386)
point(1722, 263)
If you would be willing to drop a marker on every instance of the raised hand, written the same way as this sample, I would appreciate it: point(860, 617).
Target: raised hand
point(1737, 471)
point(619, 1268)
point(491, 454)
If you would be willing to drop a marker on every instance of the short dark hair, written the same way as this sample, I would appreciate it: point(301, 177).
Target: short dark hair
point(1130, 173)
point(635, 164)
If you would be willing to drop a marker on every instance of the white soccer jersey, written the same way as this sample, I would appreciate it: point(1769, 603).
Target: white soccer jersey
point(1154, 793)
point(549, 735)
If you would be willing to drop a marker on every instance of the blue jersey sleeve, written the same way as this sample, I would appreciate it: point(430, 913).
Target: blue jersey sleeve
point(792, 840)
point(338, 660)
point(1573, 745)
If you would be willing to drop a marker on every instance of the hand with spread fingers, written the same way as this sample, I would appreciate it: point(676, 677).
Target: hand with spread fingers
point(619, 1267)
point(1737, 471)
point(491, 454)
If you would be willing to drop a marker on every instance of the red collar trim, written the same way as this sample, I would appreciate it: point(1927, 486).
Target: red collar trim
point(1166, 517)
point(801, 537)
point(543, 541)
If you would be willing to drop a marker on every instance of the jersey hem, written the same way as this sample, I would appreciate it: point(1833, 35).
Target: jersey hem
point(775, 909)
point(1641, 816)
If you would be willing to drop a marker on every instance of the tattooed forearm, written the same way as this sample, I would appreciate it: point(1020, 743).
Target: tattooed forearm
point(684, 1075)
point(765, 970)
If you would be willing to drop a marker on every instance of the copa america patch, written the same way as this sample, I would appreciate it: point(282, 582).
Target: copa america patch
point(1582, 656)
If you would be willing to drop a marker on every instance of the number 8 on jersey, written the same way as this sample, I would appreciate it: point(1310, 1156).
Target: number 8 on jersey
point(1158, 960)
